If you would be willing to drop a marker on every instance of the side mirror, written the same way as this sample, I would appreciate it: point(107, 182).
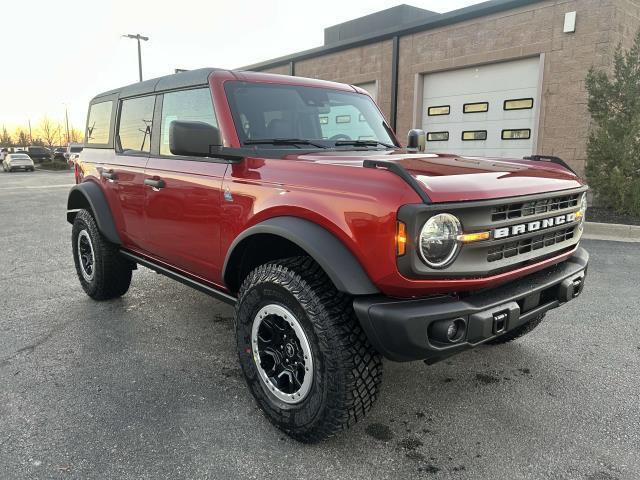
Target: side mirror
point(195, 139)
point(416, 140)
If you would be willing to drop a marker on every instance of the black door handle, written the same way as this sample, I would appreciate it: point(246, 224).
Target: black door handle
point(155, 183)
point(108, 174)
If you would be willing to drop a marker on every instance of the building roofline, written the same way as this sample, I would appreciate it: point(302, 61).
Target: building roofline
point(468, 13)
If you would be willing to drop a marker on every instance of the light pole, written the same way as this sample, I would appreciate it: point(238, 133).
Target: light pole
point(66, 119)
point(138, 37)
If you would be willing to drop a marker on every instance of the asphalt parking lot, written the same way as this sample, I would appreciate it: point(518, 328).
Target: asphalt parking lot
point(148, 386)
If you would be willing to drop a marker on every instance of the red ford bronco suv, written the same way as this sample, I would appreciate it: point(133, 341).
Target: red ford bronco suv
point(292, 199)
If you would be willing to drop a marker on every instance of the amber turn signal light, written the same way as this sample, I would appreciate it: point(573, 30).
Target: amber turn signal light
point(401, 239)
point(473, 237)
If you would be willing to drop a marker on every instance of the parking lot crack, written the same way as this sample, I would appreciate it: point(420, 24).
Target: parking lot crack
point(29, 348)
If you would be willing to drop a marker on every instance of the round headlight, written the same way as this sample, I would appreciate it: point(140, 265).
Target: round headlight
point(438, 243)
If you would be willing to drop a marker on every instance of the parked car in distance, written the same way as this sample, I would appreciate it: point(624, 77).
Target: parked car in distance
point(17, 161)
point(292, 199)
point(59, 153)
point(39, 154)
point(73, 152)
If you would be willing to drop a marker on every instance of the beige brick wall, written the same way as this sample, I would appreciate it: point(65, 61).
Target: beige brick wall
point(280, 70)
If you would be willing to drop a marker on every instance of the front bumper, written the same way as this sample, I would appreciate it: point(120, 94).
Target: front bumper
point(399, 328)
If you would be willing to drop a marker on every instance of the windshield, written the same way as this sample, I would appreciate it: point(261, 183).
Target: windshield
point(309, 117)
point(18, 156)
point(75, 149)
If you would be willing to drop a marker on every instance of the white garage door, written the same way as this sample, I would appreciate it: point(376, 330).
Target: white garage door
point(488, 110)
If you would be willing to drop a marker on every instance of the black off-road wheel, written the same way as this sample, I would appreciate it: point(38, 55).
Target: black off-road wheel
point(102, 271)
point(306, 359)
point(517, 332)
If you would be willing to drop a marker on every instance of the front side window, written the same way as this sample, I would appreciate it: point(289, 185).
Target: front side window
point(134, 128)
point(99, 123)
point(268, 114)
point(187, 105)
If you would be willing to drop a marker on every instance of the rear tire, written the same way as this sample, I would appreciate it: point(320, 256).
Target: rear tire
point(343, 374)
point(517, 332)
point(103, 273)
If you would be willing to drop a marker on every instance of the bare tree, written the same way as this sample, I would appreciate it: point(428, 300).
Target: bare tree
point(48, 131)
point(5, 138)
point(22, 137)
point(76, 135)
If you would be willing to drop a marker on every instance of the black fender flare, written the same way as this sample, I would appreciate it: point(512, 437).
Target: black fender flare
point(340, 265)
point(89, 195)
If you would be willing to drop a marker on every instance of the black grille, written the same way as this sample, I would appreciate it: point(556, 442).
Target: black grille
point(524, 209)
point(518, 247)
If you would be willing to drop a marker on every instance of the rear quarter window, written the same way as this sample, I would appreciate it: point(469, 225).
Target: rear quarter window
point(135, 126)
point(99, 124)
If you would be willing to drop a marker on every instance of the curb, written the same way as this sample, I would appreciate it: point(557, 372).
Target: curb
point(611, 231)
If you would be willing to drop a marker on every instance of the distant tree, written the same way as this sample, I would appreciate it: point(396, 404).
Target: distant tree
point(48, 130)
point(77, 136)
point(21, 137)
point(5, 138)
point(613, 149)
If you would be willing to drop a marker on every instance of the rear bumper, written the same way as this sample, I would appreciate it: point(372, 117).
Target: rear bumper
point(400, 329)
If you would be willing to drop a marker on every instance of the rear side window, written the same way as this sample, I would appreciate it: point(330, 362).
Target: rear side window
point(99, 123)
point(187, 105)
point(134, 128)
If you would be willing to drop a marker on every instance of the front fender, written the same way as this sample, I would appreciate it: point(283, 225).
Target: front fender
point(331, 254)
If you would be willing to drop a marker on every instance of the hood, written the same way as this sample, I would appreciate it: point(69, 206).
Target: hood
point(452, 178)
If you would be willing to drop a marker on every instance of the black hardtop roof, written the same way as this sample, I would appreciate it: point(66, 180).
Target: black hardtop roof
point(189, 78)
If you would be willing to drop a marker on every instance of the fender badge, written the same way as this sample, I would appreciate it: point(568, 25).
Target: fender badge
point(227, 194)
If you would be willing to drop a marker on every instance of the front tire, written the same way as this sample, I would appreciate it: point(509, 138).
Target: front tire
point(103, 273)
point(305, 358)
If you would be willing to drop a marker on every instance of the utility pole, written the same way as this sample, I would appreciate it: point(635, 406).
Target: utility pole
point(138, 37)
point(66, 119)
point(30, 137)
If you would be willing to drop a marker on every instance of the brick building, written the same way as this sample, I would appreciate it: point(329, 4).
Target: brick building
point(501, 78)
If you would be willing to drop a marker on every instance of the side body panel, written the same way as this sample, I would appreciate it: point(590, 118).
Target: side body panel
point(183, 218)
point(124, 193)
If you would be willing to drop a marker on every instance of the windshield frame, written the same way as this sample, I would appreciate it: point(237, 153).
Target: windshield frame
point(280, 143)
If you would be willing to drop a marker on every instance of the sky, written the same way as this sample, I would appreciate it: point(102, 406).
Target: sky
point(58, 54)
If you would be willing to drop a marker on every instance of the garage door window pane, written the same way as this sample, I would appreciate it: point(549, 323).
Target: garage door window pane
point(134, 131)
point(187, 105)
point(519, 104)
point(478, 107)
point(435, 111)
point(437, 136)
point(99, 123)
point(522, 134)
point(474, 135)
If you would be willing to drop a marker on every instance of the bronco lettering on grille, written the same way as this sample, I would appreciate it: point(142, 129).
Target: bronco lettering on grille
point(533, 226)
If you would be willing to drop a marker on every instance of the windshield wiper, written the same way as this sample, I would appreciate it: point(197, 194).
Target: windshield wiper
point(363, 143)
point(283, 141)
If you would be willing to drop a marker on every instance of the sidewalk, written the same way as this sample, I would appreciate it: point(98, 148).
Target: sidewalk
point(611, 231)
